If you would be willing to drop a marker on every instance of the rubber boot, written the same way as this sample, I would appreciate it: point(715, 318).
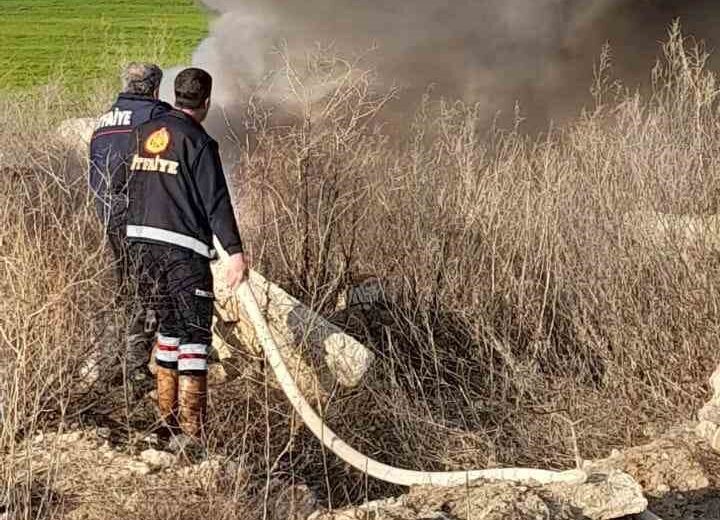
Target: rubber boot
point(166, 381)
point(193, 405)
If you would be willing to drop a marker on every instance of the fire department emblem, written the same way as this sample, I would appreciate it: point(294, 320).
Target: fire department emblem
point(158, 141)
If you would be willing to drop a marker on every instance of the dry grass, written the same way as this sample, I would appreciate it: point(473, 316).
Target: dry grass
point(522, 307)
point(524, 302)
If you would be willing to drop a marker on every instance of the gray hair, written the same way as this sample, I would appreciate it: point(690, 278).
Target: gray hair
point(142, 79)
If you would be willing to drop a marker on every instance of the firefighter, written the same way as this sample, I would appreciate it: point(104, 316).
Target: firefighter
point(177, 200)
point(109, 148)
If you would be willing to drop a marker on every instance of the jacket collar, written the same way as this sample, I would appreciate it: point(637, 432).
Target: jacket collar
point(176, 112)
point(136, 97)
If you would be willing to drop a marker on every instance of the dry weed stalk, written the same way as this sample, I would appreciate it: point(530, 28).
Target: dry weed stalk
point(517, 291)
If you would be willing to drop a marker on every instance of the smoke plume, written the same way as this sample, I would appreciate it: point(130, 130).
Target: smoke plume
point(539, 53)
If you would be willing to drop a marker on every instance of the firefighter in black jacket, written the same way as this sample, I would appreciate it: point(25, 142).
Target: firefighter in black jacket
point(109, 148)
point(177, 200)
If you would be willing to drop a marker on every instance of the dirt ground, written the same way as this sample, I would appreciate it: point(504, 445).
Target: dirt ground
point(679, 473)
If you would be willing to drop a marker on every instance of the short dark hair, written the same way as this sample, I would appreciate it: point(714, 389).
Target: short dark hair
point(192, 88)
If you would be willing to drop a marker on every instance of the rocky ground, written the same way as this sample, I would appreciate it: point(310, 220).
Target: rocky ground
point(84, 475)
point(678, 472)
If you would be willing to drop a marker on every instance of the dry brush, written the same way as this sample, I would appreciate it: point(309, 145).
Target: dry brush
point(529, 316)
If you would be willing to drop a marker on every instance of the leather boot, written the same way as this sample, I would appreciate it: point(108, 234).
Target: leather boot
point(167, 394)
point(193, 405)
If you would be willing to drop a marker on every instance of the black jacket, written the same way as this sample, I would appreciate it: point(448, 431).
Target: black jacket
point(110, 146)
point(177, 193)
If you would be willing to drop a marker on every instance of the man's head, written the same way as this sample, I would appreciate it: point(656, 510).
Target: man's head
point(192, 92)
point(142, 79)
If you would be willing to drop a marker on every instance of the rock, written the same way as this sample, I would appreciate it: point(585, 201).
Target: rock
point(158, 459)
point(217, 375)
point(294, 325)
point(710, 431)
point(295, 502)
point(709, 426)
point(89, 371)
point(185, 446)
point(604, 496)
point(715, 385)
point(77, 132)
point(710, 412)
point(601, 497)
point(70, 437)
point(151, 439)
point(660, 464)
point(138, 467)
point(100, 364)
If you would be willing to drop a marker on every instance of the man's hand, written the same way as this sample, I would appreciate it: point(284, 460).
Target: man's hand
point(237, 271)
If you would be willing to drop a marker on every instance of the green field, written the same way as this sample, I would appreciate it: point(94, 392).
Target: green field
point(80, 41)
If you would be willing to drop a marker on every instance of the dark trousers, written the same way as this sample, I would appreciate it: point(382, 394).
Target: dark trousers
point(177, 283)
point(118, 247)
point(141, 320)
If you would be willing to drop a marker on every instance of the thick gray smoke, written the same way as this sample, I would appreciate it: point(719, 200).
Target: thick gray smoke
point(539, 53)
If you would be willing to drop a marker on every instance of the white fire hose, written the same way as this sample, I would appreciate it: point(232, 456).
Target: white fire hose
point(371, 467)
point(365, 464)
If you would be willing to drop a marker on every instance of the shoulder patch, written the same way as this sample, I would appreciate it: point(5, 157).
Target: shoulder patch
point(158, 141)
